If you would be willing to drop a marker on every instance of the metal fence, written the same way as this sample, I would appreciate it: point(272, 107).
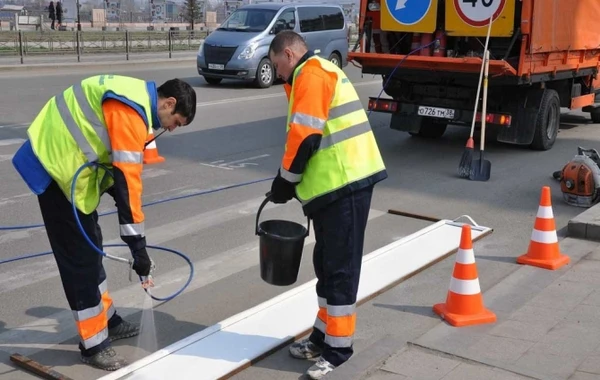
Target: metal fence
point(80, 43)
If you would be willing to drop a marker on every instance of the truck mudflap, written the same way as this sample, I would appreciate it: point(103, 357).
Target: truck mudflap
point(524, 112)
point(463, 65)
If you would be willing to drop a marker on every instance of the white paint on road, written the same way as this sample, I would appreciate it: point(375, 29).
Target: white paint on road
point(43, 269)
point(6, 157)
point(59, 327)
point(267, 96)
point(14, 126)
point(217, 351)
point(153, 173)
point(237, 164)
point(15, 198)
point(7, 142)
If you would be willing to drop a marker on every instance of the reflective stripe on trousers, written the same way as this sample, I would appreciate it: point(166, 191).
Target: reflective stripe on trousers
point(338, 323)
point(92, 323)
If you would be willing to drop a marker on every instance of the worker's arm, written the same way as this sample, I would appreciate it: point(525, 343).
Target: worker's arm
point(128, 132)
point(313, 91)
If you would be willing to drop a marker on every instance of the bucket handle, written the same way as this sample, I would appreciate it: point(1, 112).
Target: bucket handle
point(263, 204)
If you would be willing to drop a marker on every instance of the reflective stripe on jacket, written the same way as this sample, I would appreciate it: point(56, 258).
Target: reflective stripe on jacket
point(71, 130)
point(324, 106)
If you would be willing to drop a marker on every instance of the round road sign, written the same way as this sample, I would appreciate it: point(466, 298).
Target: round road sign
point(408, 12)
point(477, 12)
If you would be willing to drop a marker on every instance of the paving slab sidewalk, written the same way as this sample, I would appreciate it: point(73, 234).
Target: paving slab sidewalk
point(548, 327)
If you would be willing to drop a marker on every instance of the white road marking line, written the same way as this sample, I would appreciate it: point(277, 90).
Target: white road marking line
point(153, 173)
point(228, 101)
point(6, 157)
point(58, 327)
point(241, 163)
point(247, 159)
point(14, 125)
point(14, 198)
point(267, 96)
point(7, 142)
point(216, 166)
point(41, 269)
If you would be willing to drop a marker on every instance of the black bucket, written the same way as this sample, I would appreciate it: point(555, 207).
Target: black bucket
point(281, 245)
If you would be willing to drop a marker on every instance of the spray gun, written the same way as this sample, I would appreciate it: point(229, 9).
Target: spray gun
point(147, 281)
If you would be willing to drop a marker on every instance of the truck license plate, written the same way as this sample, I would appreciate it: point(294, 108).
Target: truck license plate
point(443, 113)
point(215, 66)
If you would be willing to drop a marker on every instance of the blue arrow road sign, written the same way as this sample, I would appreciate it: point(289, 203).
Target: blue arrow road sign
point(408, 12)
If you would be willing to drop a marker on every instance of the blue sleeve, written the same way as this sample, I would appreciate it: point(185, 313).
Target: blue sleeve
point(31, 170)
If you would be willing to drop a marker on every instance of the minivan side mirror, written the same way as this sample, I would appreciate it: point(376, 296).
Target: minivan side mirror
point(278, 27)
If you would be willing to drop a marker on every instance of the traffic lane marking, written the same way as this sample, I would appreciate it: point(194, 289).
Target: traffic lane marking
point(236, 164)
point(267, 96)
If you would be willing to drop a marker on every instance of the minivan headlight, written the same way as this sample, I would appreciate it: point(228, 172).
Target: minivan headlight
point(248, 52)
point(201, 49)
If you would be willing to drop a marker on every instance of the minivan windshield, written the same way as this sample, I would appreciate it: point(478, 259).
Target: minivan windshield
point(248, 20)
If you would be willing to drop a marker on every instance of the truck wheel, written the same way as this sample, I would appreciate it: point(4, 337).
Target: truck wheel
point(213, 81)
point(548, 121)
point(264, 74)
point(430, 129)
point(595, 116)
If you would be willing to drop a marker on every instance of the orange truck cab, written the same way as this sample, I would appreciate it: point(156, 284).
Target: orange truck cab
point(544, 55)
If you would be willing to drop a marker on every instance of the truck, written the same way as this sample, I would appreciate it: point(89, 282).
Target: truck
point(544, 55)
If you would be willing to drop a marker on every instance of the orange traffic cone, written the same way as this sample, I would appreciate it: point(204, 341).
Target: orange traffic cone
point(464, 303)
point(544, 251)
point(151, 155)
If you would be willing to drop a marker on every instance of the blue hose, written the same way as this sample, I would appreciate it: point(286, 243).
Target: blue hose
point(398, 65)
point(102, 253)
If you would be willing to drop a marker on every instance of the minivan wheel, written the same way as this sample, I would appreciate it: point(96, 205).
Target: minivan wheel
point(335, 59)
point(264, 74)
point(213, 81)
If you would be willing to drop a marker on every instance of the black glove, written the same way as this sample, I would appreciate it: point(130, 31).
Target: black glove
point(141, 262)
point(282, 190)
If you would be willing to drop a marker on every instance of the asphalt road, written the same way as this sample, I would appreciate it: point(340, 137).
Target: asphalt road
point(238, 137)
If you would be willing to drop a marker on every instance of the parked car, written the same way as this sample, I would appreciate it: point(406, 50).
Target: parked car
point(238, 49)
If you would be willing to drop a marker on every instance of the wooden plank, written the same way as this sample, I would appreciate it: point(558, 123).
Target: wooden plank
point(37, 368)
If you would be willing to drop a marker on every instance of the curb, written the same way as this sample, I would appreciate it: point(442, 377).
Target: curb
point(90, 65)
point(586, 225)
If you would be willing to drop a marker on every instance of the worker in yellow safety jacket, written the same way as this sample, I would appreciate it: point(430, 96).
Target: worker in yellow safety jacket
point(103, 119)
point(331, 164)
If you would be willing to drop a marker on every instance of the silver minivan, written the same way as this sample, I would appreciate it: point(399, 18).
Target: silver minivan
point(238, 49)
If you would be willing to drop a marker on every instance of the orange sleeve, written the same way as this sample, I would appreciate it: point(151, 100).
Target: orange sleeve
point(127, 132)
point(313, 91)
point(288, 90)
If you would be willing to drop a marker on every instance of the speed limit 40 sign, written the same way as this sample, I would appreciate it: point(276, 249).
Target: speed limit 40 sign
point(478, 12)
point(471, 17)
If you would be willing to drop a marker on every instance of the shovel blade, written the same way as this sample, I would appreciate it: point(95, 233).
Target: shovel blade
point(480, 170)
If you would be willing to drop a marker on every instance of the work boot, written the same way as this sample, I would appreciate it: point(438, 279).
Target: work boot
point(321, 368)
point(106, 359)
point(123, 330)
point(305, 349)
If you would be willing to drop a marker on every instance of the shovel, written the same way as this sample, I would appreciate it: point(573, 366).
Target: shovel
point(481, 168)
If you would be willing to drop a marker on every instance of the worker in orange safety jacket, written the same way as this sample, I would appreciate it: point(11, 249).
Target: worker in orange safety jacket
point(104, 119)
point(331, 164)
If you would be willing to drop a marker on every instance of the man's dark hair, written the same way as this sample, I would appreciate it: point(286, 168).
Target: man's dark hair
point(285, 39)
point(184, 94)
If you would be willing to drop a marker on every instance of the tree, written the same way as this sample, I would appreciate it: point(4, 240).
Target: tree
point(192, 11)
